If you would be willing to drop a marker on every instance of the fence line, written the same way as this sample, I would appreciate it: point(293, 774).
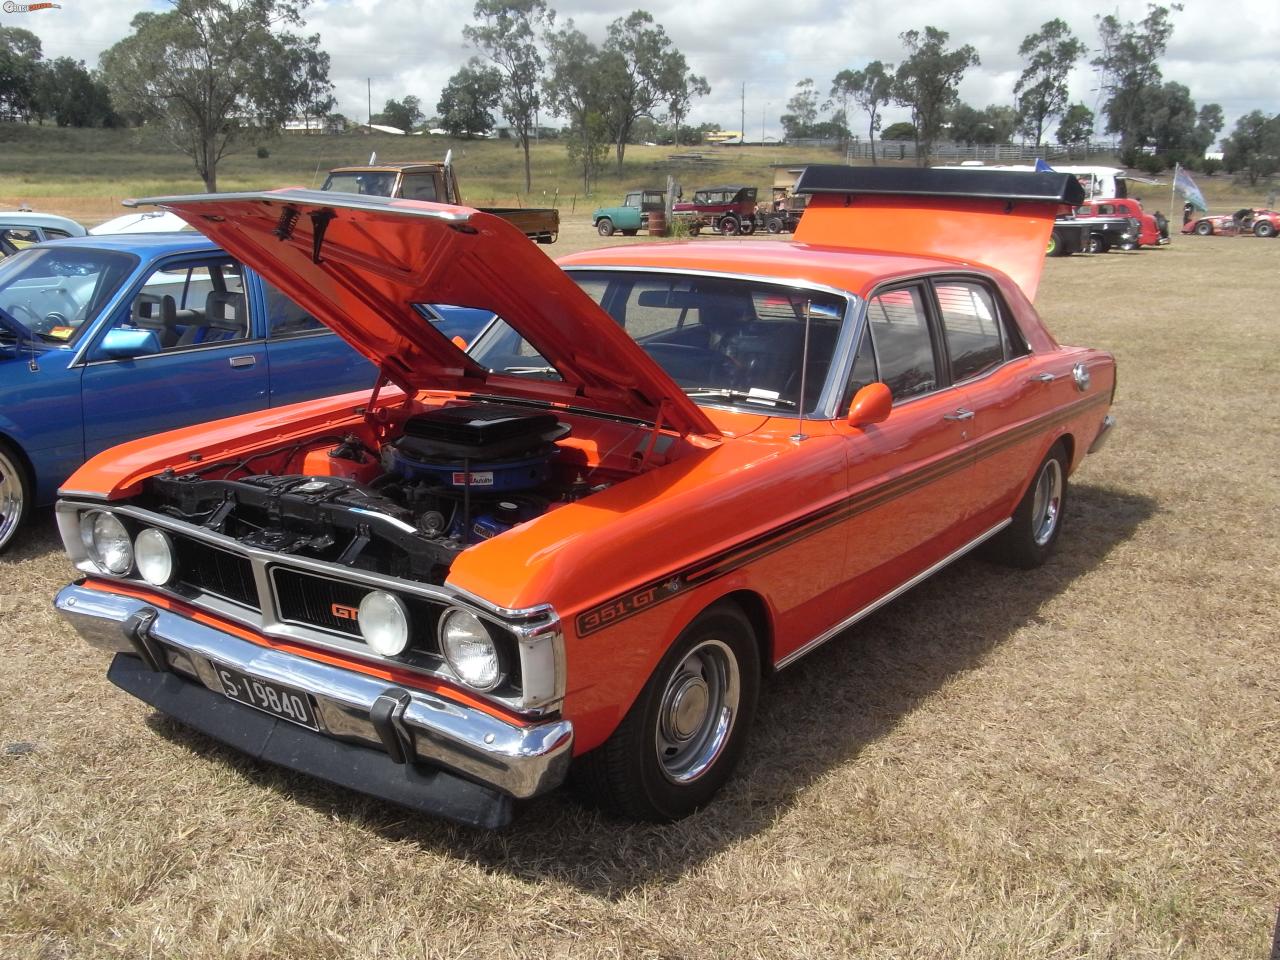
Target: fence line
point(944, 152)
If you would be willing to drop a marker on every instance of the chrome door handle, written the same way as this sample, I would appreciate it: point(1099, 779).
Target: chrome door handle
point(242, 361)
point(960, 414)
point(1042, 378)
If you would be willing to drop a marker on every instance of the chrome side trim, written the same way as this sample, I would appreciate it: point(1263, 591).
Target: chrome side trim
point(889, 597)
point(1104, 433)
point(519, 760)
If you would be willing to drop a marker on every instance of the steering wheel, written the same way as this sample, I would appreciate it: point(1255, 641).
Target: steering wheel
point(15, 307)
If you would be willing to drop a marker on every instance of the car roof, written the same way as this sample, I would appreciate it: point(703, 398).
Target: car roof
point(144, 244)
point(735, 187)
point(857, 271)
point(21, 218)
point(400, 165)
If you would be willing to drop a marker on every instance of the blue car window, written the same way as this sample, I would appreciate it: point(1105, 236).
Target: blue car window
point(54, 291)
point(192, 304)
point(285, 318)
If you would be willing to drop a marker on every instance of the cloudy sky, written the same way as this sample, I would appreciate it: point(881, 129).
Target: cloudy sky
point(1224, 53)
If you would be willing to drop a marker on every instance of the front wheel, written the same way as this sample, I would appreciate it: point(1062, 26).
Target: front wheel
point(1030, 537)
point(1056, 247)
point(1264, 228)
point(682, 738)
point(15, 495)
point(604, 227)
point(1204, 228)
point(774, 225)
point(629, 233)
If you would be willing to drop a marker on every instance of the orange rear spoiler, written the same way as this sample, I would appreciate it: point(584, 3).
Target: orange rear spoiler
point(997, 218)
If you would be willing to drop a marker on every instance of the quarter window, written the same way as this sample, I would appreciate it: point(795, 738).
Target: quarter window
point(899, 326)
point(973, 329)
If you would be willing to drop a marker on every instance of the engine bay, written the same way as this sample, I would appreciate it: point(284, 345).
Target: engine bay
point(406, 504)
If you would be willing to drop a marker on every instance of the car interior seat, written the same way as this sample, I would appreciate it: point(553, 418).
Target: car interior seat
point(224, 319)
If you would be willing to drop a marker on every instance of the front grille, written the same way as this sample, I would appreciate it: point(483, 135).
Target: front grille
point(317, 601)
point(332, 605)
point(207, 569)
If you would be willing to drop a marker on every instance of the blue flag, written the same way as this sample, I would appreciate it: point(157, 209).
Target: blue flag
point(1042, 167)
point(1183, 183)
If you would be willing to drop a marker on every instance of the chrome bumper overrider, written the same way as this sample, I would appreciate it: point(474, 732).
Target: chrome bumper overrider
point(1104, 432)
point(358, 709)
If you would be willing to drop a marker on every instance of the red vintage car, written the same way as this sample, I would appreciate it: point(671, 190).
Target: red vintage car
point(1152, 234)
point(1260, 223)
point(662, 474)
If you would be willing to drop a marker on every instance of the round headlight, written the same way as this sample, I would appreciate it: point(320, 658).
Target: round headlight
point(153, 552)
point(107, 541)
point(471, 652)
point(384, 623)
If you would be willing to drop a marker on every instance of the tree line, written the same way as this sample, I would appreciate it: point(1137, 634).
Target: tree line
point(214, 74)
point(1157, 122)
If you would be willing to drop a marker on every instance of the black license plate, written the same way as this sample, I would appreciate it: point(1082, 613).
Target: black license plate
point(279, 701)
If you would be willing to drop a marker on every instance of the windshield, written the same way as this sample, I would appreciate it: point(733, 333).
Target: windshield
point(372, 183)
point(725, 342)
point(54, 291)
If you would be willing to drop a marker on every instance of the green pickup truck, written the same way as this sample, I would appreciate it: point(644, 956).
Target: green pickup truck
point(632, 216)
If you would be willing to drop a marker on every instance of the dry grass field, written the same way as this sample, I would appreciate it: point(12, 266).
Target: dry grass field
point(1081, 761)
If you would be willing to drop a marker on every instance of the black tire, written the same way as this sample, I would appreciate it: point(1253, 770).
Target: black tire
point(1057, 246)
point(774, 225)
point(1030, 538)
point(1204, 228)
point(729, 226)
point(1264, 228)
point(747, 228)
point(1096, 244)
point(16, 491)
point(604, 227)
point(631, 773)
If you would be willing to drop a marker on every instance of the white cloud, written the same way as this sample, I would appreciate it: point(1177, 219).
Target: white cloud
point(413, 46)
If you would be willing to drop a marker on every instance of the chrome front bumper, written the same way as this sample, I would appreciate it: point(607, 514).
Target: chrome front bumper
point(360, 712)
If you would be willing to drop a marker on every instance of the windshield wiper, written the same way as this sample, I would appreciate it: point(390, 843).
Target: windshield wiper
point(750, 396)
point(529, 370)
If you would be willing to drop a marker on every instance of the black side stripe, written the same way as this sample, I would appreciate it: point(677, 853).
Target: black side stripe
point(732, 558)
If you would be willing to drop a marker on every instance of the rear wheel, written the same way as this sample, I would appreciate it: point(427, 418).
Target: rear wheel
point(1204, 228)
point(604, 227)
point(629, 233)
point(729, 226)
point(682, 737)
point(15, 495)
point(1264, 228)
point(1032, 534)
point(747, 228)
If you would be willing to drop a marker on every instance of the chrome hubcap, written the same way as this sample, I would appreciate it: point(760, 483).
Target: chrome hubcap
point(697, 711)
point(10, 498)
point(1047, 503)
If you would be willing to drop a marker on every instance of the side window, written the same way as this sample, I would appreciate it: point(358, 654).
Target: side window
point(284, 317)
point(191, 305)
point(975, 341)
point(418, 186)
point(899, 327)
point(1107, 209)
point(19, 237)
point(52, 233)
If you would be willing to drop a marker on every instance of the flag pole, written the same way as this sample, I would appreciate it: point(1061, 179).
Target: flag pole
point(1173, 194)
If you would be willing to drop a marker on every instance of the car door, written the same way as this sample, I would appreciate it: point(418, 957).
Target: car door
point(305, 359)
point(180, 350)
point(909, 476)
point(1009, 390)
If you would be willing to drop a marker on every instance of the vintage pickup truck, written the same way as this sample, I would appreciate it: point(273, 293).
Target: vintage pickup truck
point(668, 471)
point(436, 183)
point(631, 216)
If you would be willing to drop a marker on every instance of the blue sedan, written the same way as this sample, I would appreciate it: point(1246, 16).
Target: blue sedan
point(105, 339)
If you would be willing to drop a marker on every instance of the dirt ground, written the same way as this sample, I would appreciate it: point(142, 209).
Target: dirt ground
point(1081, 761)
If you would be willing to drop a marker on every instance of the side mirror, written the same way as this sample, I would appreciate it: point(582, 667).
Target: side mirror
point(870, 405)
point(122, 344)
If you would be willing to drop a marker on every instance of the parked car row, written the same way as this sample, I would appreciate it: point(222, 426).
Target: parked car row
point(583, 536)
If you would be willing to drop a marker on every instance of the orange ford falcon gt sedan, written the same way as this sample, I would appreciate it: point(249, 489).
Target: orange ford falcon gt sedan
point(660, 474)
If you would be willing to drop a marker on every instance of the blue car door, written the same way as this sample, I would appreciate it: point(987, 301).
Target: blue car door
point(181, 350)
point(305, 358)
